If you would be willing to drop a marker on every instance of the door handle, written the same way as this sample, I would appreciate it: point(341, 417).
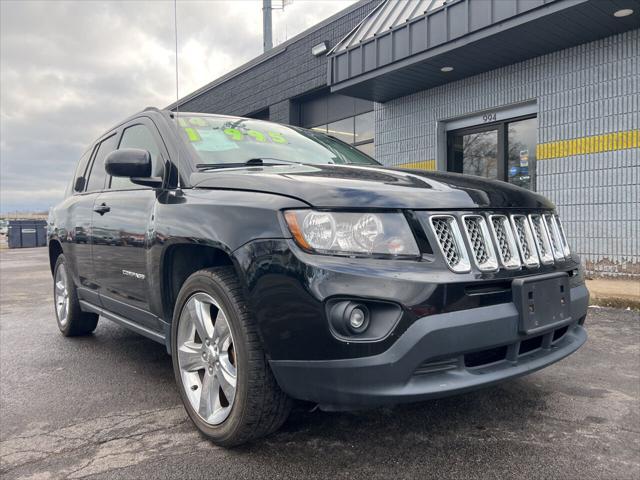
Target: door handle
point(102, 209)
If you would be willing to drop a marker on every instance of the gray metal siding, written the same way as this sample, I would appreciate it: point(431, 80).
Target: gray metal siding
point(448, 20)
point(473, 36)
point(591, 89)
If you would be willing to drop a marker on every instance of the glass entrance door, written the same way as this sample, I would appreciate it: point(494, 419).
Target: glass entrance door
point(503, 150)
point(521, 156)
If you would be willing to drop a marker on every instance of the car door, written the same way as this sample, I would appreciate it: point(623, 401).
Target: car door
point(80, 214)
point(123, 227)
point(78, 210)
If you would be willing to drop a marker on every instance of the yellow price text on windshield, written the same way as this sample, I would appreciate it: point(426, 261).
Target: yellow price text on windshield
point(277, 137)
point(192, 134)
point(256, 135)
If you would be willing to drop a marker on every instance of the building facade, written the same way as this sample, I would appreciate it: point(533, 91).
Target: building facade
point(544, 94)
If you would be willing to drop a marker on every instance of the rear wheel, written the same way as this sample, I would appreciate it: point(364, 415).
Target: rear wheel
point(223, 376)
point(72, 321)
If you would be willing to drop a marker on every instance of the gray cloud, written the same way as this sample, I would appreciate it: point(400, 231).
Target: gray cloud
point(70, 70)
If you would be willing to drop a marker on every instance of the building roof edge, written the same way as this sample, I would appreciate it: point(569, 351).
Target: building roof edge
point(277, 50)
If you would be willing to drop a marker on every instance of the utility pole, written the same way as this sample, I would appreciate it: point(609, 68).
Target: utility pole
point(267, 41)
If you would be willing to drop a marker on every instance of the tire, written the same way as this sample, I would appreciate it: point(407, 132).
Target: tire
point(257, 406)
point(72, 321)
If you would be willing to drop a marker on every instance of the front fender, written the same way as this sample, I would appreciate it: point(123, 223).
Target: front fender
point(221, 219)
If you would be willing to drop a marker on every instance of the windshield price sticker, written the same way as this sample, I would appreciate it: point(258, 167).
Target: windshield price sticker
point(196, 128)
point(214, 141)
point(209, 140)
point(255, 135)
point(192, 134)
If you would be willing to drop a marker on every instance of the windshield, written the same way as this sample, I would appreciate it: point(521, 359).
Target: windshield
point(218, 141)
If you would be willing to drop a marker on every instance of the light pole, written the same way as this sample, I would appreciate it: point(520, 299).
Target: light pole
point(267, 41)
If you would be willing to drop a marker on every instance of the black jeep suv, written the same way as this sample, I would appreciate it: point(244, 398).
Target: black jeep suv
point(276, 262)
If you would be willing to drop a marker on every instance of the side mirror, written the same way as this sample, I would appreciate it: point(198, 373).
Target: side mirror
point(128, 162)
point(134, 163)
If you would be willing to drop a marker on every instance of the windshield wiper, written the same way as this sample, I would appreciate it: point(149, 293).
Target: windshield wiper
point(252, 162)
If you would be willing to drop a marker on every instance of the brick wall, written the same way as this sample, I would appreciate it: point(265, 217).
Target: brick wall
point(591, 89)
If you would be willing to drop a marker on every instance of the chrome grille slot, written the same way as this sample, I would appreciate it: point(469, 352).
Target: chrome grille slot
point(525, 241)
point(475, 228)
point(505, 241)
point(563, 237)
point(449, 238)
point(554, 236)
point(541, 238)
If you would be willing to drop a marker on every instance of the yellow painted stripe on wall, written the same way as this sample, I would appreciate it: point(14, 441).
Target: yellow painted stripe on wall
point(595, 144)
point(421, 165)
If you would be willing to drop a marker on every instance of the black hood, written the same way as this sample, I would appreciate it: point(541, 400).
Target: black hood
point(341, 186)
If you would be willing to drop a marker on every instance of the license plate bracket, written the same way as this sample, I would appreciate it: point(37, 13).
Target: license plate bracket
point(542, 301)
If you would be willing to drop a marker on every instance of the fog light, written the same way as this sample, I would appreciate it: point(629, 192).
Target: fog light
point(357, 318)
point(361, 320)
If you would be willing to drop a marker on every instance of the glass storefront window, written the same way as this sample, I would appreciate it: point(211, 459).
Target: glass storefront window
point(342, 129)
point(358, 131)
point(365, 127)
point(522, 139)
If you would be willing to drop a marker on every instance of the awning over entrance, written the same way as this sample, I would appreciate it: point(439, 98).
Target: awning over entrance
point(405, 46)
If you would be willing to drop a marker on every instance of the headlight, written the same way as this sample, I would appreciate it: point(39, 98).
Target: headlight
point(346, 233)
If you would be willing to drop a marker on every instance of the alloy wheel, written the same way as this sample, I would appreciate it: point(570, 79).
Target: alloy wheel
point(61, 295)
point(206, 358)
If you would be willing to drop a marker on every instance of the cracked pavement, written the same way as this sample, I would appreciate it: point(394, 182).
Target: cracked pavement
point(105, 406)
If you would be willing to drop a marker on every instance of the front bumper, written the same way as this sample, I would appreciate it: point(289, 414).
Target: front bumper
point(438, 355)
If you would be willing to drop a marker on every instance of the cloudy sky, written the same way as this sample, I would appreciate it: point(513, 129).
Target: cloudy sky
point(70, 70)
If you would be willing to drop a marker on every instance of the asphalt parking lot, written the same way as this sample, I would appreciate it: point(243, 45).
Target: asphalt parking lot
point(105, 406)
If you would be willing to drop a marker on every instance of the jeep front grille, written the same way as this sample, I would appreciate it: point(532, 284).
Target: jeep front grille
point(447, 232)
point(566, 251)
point(542, 239)
point(554, 236)
point(498, 240)
point(505, 240)
point(480, 242)
point(525, 241)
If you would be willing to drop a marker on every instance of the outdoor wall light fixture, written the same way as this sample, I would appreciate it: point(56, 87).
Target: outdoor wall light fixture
point(624, 12)
point(319, 49)
point(446, 69)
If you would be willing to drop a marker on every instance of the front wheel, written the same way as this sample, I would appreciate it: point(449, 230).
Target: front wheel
point(220, 367)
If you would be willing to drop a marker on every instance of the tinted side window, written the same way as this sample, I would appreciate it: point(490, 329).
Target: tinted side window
point(137, 136)
point(80, 169)
point(98, 175)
